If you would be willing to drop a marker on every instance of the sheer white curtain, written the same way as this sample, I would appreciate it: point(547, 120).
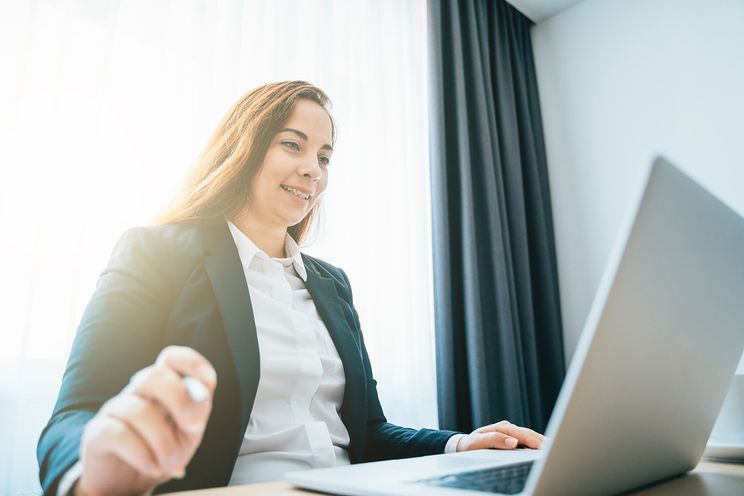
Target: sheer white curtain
point(104, 104)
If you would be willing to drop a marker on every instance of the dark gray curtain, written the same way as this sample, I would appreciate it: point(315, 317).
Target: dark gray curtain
point(497, 311)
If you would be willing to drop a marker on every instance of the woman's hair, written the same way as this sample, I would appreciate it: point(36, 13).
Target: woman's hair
point(218, 186)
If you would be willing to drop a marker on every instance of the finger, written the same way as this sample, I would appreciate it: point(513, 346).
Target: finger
point(491, 440)
point(525, 436)
point(161, 384)
point(129, 447)
point(499, 440)
point(494, 427)
point(150, 421)
point(189, 362)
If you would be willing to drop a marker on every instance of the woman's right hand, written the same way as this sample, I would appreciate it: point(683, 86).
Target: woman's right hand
point(147, 434)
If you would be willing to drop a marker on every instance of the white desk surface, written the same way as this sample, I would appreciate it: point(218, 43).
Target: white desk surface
point(708, 478)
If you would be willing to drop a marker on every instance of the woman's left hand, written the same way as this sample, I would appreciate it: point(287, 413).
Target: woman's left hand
point(501, 435)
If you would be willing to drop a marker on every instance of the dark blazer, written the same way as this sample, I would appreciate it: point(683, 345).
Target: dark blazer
point(180, 285)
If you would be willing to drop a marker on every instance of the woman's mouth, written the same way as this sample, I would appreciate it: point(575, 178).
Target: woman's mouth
point(296, 192)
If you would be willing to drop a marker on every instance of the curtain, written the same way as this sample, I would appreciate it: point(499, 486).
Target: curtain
point(104, 106)
point(497, 312)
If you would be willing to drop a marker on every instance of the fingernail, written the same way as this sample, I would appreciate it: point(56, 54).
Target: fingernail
point(511, 442)
point(191, 420)
point(208, 372)
point(195, 428)
point(179, 474)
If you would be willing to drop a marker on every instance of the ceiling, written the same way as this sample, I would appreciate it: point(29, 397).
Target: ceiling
point(539, 10)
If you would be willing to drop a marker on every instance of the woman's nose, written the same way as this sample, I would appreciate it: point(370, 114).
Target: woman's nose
point(311, 168)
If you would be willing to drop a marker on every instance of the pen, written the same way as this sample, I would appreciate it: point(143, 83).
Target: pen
point(196, 389)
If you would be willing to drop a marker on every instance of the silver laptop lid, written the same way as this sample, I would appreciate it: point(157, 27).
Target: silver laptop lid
point(659, 348)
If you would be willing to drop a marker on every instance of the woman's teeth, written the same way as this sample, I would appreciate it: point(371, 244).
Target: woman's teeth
point(296, 192)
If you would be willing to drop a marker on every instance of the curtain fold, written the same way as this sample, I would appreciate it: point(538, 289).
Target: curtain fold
point(497, 308)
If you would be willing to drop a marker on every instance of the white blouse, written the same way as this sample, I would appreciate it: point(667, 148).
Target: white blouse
point(295, 422)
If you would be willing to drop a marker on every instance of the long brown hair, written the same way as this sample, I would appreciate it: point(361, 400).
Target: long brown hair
point(221, 179)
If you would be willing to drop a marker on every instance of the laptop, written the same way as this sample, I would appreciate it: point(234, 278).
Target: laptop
point(648, 377)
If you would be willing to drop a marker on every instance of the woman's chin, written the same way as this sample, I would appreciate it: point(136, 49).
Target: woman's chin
point(291, 220)
point(292, 215)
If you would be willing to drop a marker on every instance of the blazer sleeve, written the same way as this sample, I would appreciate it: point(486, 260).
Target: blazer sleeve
point(385, 441)
point(120, 332)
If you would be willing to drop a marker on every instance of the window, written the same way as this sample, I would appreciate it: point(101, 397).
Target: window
point(106, 108)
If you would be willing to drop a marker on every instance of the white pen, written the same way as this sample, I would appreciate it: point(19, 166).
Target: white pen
point(196, 388)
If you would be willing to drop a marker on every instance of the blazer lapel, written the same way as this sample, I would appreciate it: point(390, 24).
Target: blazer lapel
point(330, 308)
point(231, 291)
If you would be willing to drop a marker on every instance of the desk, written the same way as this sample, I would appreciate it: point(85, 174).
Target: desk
point(708, 478)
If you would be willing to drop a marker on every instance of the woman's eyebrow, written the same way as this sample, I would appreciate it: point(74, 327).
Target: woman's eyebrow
point(304, 137)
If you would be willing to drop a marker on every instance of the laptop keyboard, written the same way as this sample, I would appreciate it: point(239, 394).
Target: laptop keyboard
point(508, 479)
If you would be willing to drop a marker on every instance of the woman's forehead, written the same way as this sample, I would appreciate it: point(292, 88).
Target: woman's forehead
point(312, 120)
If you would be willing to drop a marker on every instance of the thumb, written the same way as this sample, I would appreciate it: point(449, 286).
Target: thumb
point(499, 440)
point(489, 440)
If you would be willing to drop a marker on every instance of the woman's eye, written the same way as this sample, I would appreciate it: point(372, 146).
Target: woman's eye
point(291, 144)
point(324, 160)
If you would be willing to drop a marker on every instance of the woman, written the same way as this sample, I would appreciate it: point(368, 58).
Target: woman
point(162, 386)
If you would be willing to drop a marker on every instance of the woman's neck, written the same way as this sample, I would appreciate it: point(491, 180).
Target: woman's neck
point(270, 240)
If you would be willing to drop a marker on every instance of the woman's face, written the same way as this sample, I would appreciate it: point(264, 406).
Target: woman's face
point(294, 171)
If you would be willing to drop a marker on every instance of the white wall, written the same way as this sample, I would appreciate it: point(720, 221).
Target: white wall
point(620, 81)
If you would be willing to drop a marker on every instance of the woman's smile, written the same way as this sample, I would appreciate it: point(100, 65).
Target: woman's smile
point(297, 193)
